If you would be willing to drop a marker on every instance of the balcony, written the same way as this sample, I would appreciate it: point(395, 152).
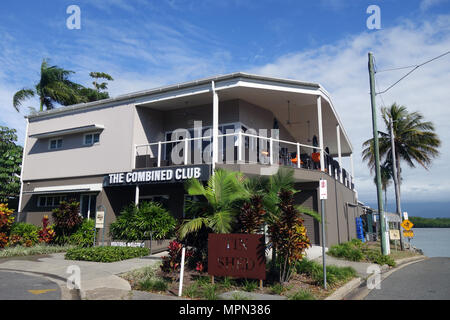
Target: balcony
point(240, 148)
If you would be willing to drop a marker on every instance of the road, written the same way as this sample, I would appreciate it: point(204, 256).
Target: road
point(425, 280)
point(19, 286)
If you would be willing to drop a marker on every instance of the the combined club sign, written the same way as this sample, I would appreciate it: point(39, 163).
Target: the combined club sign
point(158, 175)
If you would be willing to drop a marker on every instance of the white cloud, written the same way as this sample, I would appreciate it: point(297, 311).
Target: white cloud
point(342, 69)
point(427, 4)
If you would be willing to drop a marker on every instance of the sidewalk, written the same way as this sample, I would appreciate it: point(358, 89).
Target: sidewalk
point(98, 280)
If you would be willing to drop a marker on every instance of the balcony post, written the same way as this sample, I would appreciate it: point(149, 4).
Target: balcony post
point(186, 151)
point(271, 151)
point(319, 118)
point(239, 145)
point(215, 127)
point(338, 134)
point(298, 155)
point(159, 154)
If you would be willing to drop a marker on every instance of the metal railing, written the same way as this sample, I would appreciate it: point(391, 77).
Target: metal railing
point(242, 148)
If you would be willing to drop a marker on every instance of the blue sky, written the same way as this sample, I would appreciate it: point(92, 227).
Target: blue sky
point(144, 44)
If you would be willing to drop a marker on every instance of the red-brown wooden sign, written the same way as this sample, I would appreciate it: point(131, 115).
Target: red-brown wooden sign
point(237, 255)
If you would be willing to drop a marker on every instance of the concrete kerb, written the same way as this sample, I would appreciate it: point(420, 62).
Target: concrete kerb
point(361, 291)
point(96, 279)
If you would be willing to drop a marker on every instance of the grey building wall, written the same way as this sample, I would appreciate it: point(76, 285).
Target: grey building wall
point(115, 147)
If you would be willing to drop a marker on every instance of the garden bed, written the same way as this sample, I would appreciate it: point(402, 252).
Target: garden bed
point(106, 254)
point(39, 249)
point(303, 285)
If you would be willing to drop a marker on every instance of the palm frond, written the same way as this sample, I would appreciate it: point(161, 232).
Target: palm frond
point(20, 96)
point(309, 212)
point(192, 225)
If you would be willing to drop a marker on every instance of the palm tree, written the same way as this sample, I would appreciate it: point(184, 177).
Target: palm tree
point(219, 204)
point(386, 179)
point(53, 87)
point(414, 139)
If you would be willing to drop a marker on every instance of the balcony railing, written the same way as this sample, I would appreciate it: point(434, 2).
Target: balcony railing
point(241, 148)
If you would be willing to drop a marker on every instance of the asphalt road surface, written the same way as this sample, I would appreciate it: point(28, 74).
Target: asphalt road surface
point(19, 286)
point(425, 280)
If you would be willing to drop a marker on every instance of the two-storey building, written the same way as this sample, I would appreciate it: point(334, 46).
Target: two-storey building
point(144, 145)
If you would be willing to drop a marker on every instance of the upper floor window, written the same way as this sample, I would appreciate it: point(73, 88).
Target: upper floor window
point(91, 138)
point(55, 144)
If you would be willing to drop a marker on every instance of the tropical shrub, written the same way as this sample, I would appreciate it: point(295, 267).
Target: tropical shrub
point(251, 218)
point(135, 223)
point(288, 235)
point(24, 234)
point(46, 233)
point(67, 220)
point(6, 221)
point(217, 205)
point(172, 262)
point(105, 254)
point(84, 236)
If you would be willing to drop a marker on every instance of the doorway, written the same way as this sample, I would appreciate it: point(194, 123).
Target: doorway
point(88, 203)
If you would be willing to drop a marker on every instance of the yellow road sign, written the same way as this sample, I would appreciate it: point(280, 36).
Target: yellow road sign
point(408, 233)
point(407, 225)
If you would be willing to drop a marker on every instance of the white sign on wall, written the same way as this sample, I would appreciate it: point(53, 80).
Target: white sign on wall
point(323, 190)
point(100, 219)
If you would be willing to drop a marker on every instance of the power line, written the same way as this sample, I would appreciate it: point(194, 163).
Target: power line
point(415, 68)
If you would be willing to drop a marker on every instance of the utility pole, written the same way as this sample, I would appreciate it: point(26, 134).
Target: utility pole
point(384, 243)
point(396, 182)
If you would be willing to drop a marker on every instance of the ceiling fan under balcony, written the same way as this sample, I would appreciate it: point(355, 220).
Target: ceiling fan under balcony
point(289, 122)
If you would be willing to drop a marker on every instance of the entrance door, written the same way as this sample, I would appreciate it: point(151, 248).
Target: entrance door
point(88, 203)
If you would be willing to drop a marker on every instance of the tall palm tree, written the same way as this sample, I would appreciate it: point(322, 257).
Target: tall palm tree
point(53, 87)
point(386, 179)
point(414, 139)
point(218, 206)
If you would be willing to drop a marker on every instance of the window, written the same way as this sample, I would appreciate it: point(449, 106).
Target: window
point(50, 201)
point(55, 144)
point(91, 138)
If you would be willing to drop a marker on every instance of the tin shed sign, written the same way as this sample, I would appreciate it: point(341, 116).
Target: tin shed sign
point(237, 255)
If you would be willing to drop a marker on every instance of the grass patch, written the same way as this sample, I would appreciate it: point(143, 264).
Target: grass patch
point(239, 296)
point(356, 250)
point(335, 274)
point(146, 279)
point(154, 284)
point(302, 295)
point(210, 292)
point(277, 288)
point(250, 286)
point(105, 254)
point(38, 249)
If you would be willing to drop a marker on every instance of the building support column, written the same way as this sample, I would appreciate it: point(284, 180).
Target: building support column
point(352, 170)
point(319, 118)
point(215, 151)
point(19, 209)
point(136, 197)
point(338, 134)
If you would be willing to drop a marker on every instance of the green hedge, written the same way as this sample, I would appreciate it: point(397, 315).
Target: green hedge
point(105, 254)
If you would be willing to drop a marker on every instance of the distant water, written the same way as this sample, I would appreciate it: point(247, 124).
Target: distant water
point(434, 242)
